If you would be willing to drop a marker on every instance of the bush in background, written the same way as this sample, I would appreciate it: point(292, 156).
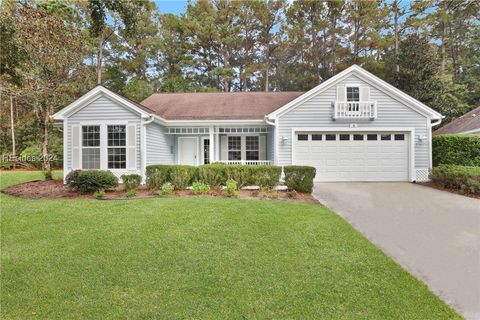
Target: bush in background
point(157, 175)
point(213, 174)
point(72, 178)
point(90, 181)
point(200, 188)
point(182, 176)
point(463, 178)
point(265, 177)
point(299, 178)
point(456, 149)
point(131, 181)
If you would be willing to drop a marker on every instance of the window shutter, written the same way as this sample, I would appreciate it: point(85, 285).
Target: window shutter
point(262, 146)
point(224, 148)
point(76, 148)
point(341, 93)
point(131, 147)
point(364, 93)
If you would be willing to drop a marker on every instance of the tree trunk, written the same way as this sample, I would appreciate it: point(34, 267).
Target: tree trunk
point(395, 19)
point(47, 170)
point(334, 46)
point(12, 128)
point(267, 70)
point(443, 48)
point(100, 58)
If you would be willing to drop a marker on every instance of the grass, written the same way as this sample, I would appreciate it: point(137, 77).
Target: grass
point(201, 258)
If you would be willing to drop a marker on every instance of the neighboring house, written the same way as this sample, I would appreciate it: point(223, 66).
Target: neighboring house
point(352, 127)
point(469, 123)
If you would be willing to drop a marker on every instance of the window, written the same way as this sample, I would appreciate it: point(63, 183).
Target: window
point(330, 137)
point(344, 137)
point(117, 152)
point(371, 137)
point(316, 137)
point(206, 151)
point(234, 148)
point(302, 137)
point(91, 147)
point(399, 137)
point(386, 137)
point(252, 147)
point(358, 137)
point(353, 94)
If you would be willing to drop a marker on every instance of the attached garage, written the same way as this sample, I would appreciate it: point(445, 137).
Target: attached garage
point(355, 155)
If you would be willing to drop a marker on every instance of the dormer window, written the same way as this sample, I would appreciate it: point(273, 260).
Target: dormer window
point(353, 94)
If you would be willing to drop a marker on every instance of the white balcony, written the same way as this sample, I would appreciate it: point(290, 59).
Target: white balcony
point(358, 110)
point(247, 162)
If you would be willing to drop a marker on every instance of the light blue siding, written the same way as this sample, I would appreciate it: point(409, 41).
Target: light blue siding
point(159, 145)
point(104, 108)
point(318, 111)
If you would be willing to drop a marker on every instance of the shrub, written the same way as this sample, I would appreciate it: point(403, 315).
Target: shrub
point(72, 179)
point(463, 150)
point(157, 175)
point(180, 176)
point(200, 188)
point(213, 174)
point(266, 177)
point(131, 181)
point(299, 178)
point(242, 174)
point(131, 193)
point(89, 181)
point(99, 194)
point(463, 178)
point(167, 188)
point(231, 188)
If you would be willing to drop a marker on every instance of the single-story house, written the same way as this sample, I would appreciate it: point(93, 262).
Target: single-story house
point(352, 127)
point(469, 123)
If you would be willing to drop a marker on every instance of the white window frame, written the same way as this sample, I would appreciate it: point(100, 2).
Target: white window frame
point(352, 86)
point(257, 150)
point(99, 147)
point(203, 139)
point(103, 141)
point(117, 147)
point(241, 150)
point(243, 145)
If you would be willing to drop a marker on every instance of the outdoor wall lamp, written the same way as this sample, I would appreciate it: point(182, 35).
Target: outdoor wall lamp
point(284, 140)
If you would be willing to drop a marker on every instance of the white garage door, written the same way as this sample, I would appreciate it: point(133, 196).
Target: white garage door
point(359, 156)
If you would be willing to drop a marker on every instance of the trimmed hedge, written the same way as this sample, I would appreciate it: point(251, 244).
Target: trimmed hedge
point(180, 176)
point(215, 174)
point(131, 181)
point(463, 178)
point(90, 181)
point(299, 178)
point(456, 149)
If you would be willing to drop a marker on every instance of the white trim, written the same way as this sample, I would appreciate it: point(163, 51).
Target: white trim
point(409, 130)
point(367, 77)
point(202, 146)
point(65, 150)
point(211, 135)
point(196, 149)
point(143, 149)
point(90, 96)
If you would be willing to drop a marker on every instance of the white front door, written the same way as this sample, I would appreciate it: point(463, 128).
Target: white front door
point(357, 156)
point(188, 150)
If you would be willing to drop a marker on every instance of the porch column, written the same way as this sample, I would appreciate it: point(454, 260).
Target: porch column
point(213, 144)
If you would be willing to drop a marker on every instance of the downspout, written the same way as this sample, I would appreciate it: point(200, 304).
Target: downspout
point(144, 145)
point(436, 123)
point(275, 144)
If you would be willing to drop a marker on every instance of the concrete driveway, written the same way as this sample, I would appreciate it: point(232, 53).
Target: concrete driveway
point(433, 234)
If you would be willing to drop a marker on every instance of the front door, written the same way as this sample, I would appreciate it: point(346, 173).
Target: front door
point(187, 150)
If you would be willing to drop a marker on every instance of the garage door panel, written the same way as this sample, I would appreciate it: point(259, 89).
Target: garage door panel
point(352, 160)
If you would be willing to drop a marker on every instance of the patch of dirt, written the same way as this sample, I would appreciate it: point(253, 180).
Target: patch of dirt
point(442, 188)
point(55, 189)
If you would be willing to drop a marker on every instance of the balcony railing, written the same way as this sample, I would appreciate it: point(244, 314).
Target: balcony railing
point(247, 162)
point(360, 110)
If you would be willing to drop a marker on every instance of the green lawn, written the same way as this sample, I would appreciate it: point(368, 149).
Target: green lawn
point(196, 258)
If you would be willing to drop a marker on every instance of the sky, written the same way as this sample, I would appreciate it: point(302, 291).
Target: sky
point(171, 6)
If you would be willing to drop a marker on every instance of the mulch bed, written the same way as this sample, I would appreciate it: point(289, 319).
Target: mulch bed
point(442, 188)
point(55, 189)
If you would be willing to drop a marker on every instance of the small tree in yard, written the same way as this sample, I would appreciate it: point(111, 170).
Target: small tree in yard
point(55, 64)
